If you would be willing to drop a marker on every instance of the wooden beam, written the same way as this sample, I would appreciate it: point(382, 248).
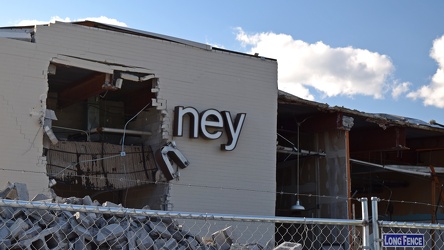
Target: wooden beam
point(82, 90)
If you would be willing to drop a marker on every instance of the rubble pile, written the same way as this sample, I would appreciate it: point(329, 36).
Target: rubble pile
point(33, 228)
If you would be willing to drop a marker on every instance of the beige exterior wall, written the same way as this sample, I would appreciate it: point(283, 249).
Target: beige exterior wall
point(22, 100)
point(241, 181)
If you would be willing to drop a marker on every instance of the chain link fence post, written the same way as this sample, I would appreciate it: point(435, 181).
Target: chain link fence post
point(366, 231)
point(375, 224)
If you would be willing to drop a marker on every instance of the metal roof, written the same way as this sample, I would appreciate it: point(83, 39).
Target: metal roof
point(381, 119)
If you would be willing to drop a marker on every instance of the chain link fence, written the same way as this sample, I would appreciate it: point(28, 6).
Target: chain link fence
point(45, 225)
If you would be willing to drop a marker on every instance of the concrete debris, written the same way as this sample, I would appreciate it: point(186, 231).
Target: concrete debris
point(25, 228)
point(15, 191)
point(223, 239)
point(289, 246)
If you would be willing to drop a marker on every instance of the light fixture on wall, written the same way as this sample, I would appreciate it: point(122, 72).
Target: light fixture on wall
point(298, 206)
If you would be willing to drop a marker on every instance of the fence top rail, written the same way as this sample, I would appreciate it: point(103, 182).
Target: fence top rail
point(416, 225)
point(174, 214)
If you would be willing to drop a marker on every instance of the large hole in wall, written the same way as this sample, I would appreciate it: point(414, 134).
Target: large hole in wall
point(100, 134)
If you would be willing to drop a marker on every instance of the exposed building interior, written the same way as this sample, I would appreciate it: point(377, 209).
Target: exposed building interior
point(391, 157)
point(97, 112)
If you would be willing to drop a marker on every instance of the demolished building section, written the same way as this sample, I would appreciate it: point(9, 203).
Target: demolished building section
point(96, 149)
point(93, 110)
point(380, 155)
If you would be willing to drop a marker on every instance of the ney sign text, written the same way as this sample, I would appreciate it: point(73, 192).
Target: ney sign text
point(209, 124)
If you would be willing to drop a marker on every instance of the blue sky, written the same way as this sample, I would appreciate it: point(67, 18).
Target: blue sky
point(375, 56)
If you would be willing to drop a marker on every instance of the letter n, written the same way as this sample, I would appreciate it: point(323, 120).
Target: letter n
point(179, 113)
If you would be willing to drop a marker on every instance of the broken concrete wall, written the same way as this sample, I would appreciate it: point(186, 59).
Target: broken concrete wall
point(241, 181)
point(203, 79)
point(23, 88)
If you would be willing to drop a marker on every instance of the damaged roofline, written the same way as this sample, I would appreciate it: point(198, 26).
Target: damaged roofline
point(162, 37)
point(140, 33)
point(377, 118)
point(135, 32)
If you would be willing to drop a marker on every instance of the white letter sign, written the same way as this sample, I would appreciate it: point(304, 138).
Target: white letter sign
point(210, 123)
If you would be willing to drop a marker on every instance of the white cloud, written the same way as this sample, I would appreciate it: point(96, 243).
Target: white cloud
point(297, 89)
point(101, 19)
point(433, 94)
point(399, 89)
point(331, 71)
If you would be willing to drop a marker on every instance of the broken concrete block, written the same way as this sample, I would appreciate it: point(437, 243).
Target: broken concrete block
point(17, 230)
point(32, 232)
point(223, 239)
point(109, 232)
point(143, 240)
point(6, 190)
point(177, 235)
point(87, 201)
point(20, 213)
point(192, 243)
point(22, 191)
point(86, 220)
point(74, 201)
point(5, 243)
point(12, 194)
point(289, 246)
point(171, 244)
point(100, 222)
point(80, 230)
point(56, 198)
point(159, 230)
point(181, 247)
point(159, 243)
point(131, 236)
point(52, 237)
point(41, 197)
point(37, 243)
point(110, 204)
point(63, 225)
point(118, 243)
point(43, 216)
point(80, 244)
point(6, 212)
point(67, 214)
point(237, 246)
point(4, 233)
point(140, 219)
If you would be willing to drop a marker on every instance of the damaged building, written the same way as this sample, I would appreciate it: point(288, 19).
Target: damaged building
point(137, 118)
point(140, 119)
point(345, 154)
